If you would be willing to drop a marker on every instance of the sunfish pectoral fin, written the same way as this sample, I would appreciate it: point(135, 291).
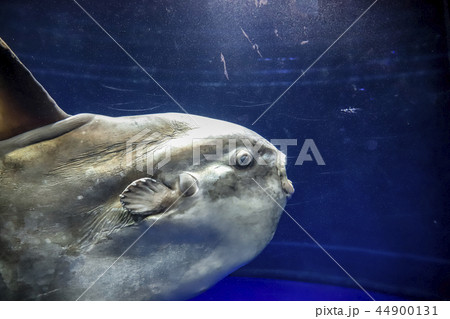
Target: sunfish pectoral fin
point(147, 196)
point(24, 103)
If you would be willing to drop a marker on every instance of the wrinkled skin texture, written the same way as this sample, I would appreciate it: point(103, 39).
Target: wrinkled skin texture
point(62, 224)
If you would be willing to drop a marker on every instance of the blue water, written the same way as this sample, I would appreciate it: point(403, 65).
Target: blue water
point(376, 106)
point(264, 289)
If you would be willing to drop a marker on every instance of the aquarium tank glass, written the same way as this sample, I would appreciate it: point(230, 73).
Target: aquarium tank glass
point(356, 93)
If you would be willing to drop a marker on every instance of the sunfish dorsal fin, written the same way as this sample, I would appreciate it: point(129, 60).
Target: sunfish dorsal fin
point(24, 103)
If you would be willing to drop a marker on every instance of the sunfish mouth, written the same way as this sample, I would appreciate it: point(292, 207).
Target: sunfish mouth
point(287, 186)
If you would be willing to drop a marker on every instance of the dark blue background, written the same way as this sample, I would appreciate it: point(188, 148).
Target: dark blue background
point(380, 204)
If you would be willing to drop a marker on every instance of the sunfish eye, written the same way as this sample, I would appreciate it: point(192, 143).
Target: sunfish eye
point(243, 158)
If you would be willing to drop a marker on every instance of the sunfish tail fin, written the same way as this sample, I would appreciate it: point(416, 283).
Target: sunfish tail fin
point(24, 103)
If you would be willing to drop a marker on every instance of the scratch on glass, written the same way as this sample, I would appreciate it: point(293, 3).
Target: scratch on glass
point(225, 72)
point(254, 45)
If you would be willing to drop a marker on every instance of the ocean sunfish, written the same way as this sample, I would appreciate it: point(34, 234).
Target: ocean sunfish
point(152, 207)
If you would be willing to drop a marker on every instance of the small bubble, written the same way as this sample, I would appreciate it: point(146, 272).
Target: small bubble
point(80, 197)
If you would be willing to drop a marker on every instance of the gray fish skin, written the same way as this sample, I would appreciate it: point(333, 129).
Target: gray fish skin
point(62, 223)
